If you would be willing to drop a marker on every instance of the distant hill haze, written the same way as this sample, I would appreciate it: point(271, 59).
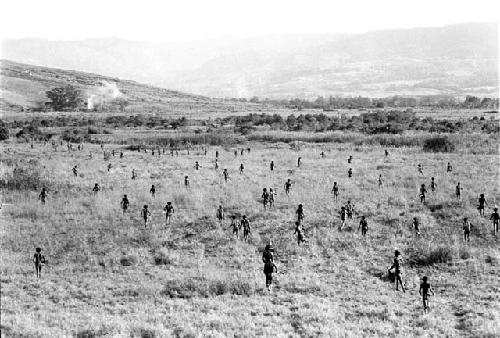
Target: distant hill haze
point(452, 60)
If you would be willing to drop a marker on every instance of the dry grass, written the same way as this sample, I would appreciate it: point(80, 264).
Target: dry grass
point(108, 276)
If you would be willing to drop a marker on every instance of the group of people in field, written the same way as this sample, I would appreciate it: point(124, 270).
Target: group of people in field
point(242, 225)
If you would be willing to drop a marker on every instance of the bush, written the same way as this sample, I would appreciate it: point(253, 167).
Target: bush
point(425, 256)
point(438, 144)
point(164, 258)
point(202, 287)
point(4, 132)
point(128, 260)
point(24, 178)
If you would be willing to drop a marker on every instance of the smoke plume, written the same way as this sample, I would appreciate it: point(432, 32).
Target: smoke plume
point(99, 96)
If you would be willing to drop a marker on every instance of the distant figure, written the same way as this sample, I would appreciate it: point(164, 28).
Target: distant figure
point(322, 154)
point(299, 160)
point(397, 266)
point(235, 225)
point(38, 260)
point(300, 213)
point(196, 165)
point(482, 203)
point(349, 160)
point(449, 168)
point(380, 181)
point(152, 191)
point(458, 191)
point(216, 164)
point(242, 150)
point(265, 197)
point(75, 171)
point(121, 154)
point(349, 173)
point(494, 218)
point(416, 226)
point(124, 203)
point(146, 215)
point(335, 191)
point(300, 233)
point(112, 152)
point(425, 291)
point(226, 175)
point(420, 169)
point(245, 224)
point(272, 195)
point(242, 168)
point(133, 174)
point(43, 195)
point(216, 154)
point(386, 153)
point(248, 150)
point(109, 167)
point(96, 189)
point(343, 218)
point(363, 225)
point(235, 153)
point(186, 181)
point(271, 166)
point(433, 185)
point(269, 269)
point(349, 208)
point(220, 214)
point(422, 193)
point(466, 227)
point(287, 186)
point(169, 211)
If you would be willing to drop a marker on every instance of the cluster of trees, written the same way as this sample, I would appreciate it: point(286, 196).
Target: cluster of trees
point(380, 122)
point(359, 102)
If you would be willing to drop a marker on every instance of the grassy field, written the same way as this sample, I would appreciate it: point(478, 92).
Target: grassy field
point(109, 276)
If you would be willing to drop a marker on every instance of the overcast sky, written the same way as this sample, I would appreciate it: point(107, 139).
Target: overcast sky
point(188, 20)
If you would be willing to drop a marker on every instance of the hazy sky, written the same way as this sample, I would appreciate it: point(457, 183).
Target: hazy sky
point(187, 20)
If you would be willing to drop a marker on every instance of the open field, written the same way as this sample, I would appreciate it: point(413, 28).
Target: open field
point(109, 276)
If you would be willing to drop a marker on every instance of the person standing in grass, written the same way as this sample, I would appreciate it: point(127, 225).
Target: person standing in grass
point(494, 218)
point(416, 226)
point(146, 215)
point(386, 153)
point(363, 225)
point(420, 169)
point(242, 168)
point(380, 181)
point(433, 185)
point(466, 227)
point(271, 166)
point(335, 191)
point(216, 164)
point(449, 168)
point(349, 160)
point(299, 230)
point(425, 291)
point(38, 260)
point(482, 203)
point(343, 217)
point(235, 225)
point(397, 266)
point(269, 266)
point(124, 203)
point(272, 195)
point(43, 195)
point(134, 176)
point(96, 189)
point(197, 165)
point(186, 181)
point(109, 167)
point(422, 193)
point(245, 224)
point(226, 175)
point(220, 214)
point(287, 186)
point(300, 213)
point(458, 191)
point(349, 173)
point(169, 211)
point(299, 161)
point(75, 171)
point(349, 209)
point(265, 198)
point(322, 154)
point(152, 191)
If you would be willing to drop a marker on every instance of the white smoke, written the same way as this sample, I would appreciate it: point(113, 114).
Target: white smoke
point(106, 93)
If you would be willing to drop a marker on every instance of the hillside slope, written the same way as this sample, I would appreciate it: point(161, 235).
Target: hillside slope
point(23, 87)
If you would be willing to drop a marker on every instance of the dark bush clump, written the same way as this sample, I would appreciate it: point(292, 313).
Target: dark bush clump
point(420, 256)
point(202, 287)
point(4, 131)
point(438, 144)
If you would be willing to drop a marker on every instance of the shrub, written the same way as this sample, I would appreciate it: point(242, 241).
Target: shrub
point(162, 257)
point(425, 256)
point(438, 144)
point(202, 287)
point(24, 178)
point(128, 260)
point(4, 132)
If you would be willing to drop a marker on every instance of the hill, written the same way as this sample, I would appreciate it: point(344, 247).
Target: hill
point(23, 87)
point(455, 60)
